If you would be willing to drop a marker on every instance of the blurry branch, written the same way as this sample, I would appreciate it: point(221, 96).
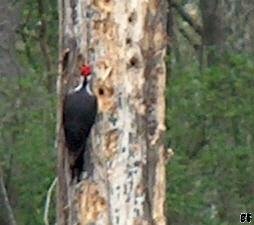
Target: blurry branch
point(4, 93)
point(188, 38)
point(170, 24)
point(9, 17)
point(23, 35)
point(169, 153)
point(196, 46)
point(248, 13)
point(6, 202)
point(13, 135)
point(185, 16)
point(43, 40)
point(47, 203)
point(43, 34)
point(27, 47)
point(170, 32)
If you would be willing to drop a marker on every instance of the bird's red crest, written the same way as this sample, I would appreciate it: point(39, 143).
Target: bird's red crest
point(85, 70)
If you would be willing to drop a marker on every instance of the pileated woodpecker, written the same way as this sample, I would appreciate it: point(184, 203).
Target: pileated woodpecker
point(80, 108)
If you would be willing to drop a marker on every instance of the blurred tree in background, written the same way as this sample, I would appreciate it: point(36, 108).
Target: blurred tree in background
point(210, 109)
point(210, 112)
point(28, 73)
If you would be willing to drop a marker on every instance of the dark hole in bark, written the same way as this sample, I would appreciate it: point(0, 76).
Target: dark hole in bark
point(132, 17)
point(137, 163)
point(101, 91)
point(91, 50)
point(134, 61)
point(105, 28)
point(65, 60)
point(128, 41)
point(106, 1)
point(103, 202)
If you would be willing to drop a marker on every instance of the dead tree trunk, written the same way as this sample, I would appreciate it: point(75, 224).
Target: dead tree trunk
point(213, 35)
point(125, 42)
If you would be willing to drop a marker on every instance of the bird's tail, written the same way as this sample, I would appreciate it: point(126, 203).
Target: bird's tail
point(76, 163)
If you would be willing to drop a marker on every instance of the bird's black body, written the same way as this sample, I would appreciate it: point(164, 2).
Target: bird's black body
point(78, 118)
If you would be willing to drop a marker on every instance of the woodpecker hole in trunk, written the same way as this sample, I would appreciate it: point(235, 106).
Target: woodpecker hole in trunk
point(101, 91)
point(132, 17)
point(128, 41)
point(91, 50)
point(105, 91)
point(65, 60)
point(133, 62)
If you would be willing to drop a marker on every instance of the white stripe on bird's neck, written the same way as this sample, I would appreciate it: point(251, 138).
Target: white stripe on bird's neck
point(88, 86)
point(88, 89)
point(78, 88)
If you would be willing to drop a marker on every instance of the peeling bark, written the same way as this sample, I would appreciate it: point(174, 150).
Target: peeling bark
point(125, 42)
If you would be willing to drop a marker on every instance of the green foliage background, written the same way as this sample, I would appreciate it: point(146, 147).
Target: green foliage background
point(210, 127)
point(210, 119)
point(27, 112)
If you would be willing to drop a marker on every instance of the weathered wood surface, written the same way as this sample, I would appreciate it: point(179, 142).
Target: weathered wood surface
point(125, 42)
